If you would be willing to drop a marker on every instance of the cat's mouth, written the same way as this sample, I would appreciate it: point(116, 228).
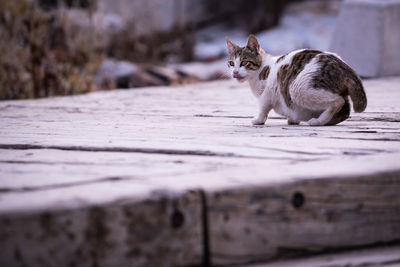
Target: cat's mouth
point(238, 77)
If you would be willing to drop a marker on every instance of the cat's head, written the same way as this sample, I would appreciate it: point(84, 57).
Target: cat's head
point(244, 61)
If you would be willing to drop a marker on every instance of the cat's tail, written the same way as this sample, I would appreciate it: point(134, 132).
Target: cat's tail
point(357, 93)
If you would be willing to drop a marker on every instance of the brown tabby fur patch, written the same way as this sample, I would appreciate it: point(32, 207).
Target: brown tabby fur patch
point(342, 114)
point(336, 76)
point(330, 74)
point(288, 72)
point(254, 58)
point(245, 54)
point(236, 53)
point(264, 73)
point(281, 58)
point(284, 83)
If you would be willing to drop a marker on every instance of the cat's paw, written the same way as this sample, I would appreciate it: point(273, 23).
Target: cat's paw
point(314, 122)
point(257, 121)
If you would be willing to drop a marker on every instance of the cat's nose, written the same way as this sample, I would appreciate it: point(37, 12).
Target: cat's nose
point(235, 72)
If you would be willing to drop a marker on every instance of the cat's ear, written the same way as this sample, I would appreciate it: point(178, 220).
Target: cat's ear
point(231, 46)
point(253, 44)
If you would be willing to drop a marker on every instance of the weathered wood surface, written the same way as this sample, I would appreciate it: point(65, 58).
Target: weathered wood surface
point(160, 231)
point(303, 217)
point(178, 157)
point(377, 257)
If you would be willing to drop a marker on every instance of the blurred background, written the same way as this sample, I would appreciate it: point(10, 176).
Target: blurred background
point(65, 47)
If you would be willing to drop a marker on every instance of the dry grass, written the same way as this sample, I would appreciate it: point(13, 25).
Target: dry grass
point(39, 55)
point(43, 53)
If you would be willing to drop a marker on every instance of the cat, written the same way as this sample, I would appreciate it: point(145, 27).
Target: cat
point(303, 85)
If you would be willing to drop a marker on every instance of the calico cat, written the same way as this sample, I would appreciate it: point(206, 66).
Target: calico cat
point(303, 85)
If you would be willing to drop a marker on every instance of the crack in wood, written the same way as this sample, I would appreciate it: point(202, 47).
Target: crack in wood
point(296, 252)
point(375, 119)
point(66, 185)
point(221, 116)
point(359, 130)
point(73, 163)
point(120, 149)
point(363, 139)
point(206, 153)
point(205, 229)
point(390, 262)
point(294, 151)
point(300, 253)
point(384, 139)
point(359, 119)
point(233, 116)
point(68, 109)
point(44, 162)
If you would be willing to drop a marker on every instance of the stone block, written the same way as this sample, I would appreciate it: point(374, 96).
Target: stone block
point(367, 36)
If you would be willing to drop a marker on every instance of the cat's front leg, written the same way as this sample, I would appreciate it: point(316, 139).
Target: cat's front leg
point(263, 110)
point(258, 120)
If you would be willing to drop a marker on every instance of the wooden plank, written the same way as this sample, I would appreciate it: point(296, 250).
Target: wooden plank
point(374, 257)
point(305, 216)
point(122, 119)
point(145, 150)
point(162, 230)
point(71, 179)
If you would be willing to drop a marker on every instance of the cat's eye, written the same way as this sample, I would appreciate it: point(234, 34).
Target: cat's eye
point(230, 63)
point(244, 63)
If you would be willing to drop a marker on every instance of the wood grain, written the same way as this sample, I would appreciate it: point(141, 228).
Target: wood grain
point(83, 159)
point(374, 257)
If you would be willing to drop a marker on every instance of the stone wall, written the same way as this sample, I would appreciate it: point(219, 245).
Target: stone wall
point(367, 36)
